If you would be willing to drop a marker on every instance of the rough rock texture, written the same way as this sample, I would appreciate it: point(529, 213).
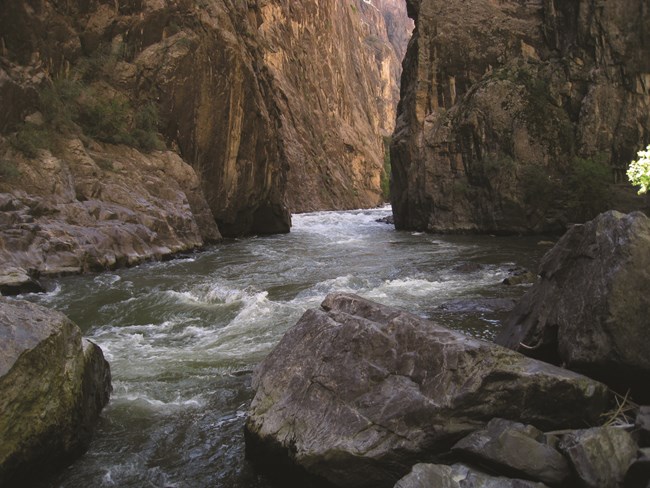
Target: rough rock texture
point(600, 456)
point(97, 208)
point(501, 100)
point(590, 308)
point(53, 385)
point(517, 449)
point(458, 476)
point(277, 104)
point(338, 77)
point(357, 393)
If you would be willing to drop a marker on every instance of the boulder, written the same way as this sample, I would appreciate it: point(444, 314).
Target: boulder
point(356, 393)
point(600, 456)
point(516, 449)
point(458, 476)
point(53, 386)
point(590, 308)
point(14, 281)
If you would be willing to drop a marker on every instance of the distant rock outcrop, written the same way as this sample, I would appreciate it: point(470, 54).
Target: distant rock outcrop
point(356, 393)
point(96, 208)
point(590, 308)
point(519, 116)
point(53, 385)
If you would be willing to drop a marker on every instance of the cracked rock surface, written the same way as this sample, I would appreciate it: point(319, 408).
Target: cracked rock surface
point(356, 393)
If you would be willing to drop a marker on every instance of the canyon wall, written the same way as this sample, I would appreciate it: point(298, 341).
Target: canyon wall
point(520, 116)
point(276, 105)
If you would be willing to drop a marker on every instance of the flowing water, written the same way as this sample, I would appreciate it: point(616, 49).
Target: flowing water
point(183, 336)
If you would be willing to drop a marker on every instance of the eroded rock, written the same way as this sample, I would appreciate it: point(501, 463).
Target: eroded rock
point(590, 308)
point(356, 393)
point(600, 456)
point(53, 386)
point(515, 449)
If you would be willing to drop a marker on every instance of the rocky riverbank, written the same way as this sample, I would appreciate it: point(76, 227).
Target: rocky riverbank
point(96, 208)
point(358, 394)
point(53, 386)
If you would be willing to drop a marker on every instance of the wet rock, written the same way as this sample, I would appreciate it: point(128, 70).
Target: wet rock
point(590, 308)
point(600, 456)
point(638, 476)
point(53, 385)
point(519, 276)
point(389, 219)
point(14, 281)
point(514, 449)
point(357, 392)
point(642, 425)
point(458, 476)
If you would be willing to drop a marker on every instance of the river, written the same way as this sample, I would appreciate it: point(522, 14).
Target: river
point(183, 336)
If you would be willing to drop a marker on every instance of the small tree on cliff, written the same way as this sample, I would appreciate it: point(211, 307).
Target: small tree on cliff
point(639, 171)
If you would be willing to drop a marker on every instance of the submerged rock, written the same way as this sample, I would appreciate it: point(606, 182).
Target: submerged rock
point(357, 392)
point(53, 386)
point(458, 476)
point(590, 308)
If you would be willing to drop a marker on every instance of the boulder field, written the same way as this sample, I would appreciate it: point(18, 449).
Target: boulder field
point(358, 394)
point(53, 386)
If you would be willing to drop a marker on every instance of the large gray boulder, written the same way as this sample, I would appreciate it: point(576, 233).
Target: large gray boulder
point(53, 385)
point(591, 308)
point(357, 393)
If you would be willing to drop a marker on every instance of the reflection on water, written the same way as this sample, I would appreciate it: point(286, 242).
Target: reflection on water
point(183, 336)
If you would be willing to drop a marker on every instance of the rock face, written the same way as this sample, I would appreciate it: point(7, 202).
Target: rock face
point(53, 385)
point(356, 393)
point(590, 308)
point(515, 448)
point(277, 105)
point(97, 208)
point(600, 456)
point(518, 117)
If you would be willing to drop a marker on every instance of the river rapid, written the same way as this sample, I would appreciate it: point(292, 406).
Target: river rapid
point(183, 336)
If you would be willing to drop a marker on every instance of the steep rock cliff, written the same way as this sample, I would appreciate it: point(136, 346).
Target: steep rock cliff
point(337, 76)
point(277, 105)
point(517, 117)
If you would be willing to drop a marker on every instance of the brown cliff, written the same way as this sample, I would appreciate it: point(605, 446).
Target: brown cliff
point(519, 117)
point(276, 105)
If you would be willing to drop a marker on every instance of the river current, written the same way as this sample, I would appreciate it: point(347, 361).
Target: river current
point(183, 336)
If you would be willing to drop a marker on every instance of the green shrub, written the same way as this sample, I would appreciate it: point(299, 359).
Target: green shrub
point(106, 120)
point(639, 171)
point(539, 190)
point(30, 138)
point(588, 187)
point(8, 170)
point(58, 103)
